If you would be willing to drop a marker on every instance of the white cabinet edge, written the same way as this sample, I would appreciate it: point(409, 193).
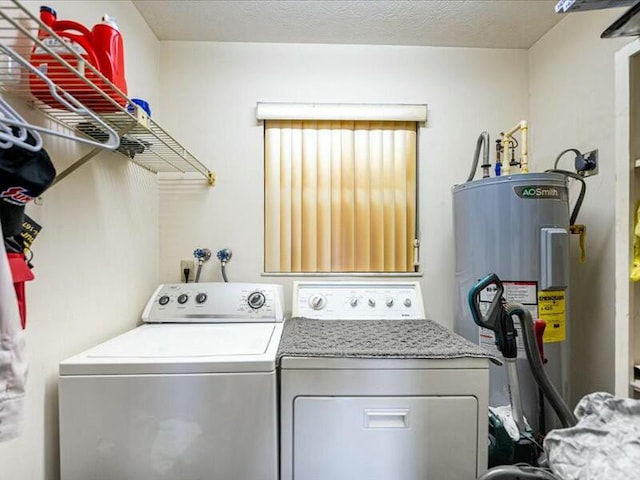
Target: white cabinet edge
point(624, 221)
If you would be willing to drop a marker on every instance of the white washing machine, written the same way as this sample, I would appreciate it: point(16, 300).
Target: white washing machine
point(370, 390)
point(189, 395)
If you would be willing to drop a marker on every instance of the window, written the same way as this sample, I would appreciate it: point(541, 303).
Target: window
point(340, 195)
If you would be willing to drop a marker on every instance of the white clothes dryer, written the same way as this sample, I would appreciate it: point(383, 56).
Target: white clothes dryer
point(189, 395)
point(372, 390)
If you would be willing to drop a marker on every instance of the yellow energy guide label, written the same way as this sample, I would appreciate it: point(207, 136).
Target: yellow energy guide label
point(551, 309)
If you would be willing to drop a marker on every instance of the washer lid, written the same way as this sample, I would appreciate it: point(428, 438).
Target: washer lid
point(173, 348)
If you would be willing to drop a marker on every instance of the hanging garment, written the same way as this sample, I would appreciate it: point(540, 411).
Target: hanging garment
point(21, 273)
point(24, 175)
point(635, 268)
point(13, 362)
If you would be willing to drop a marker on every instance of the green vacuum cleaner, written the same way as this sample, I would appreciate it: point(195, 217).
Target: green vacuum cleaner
point(498, 318)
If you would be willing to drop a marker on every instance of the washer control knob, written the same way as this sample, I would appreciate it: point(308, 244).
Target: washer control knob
point(256, 300)
point(389, 302)
point(201, 298)
point(182, 299)
point(407, 302)
point(353, 302)
point(372, 302)
point(317, 302)
point(163, 300)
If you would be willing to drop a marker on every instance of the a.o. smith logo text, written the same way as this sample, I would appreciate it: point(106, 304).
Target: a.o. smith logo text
point(550, 192)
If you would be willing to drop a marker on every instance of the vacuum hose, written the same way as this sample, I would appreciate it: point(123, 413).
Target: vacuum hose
point(511, 472)
point(566, 416)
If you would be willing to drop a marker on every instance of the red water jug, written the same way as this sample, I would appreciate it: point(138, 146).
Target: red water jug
point(109, 48)
point(102, 49)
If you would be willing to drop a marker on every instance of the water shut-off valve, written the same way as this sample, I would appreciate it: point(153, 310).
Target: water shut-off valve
point(224, 255)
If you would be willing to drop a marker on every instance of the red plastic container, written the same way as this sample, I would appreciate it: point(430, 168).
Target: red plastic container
point(102, 48)
point(109, 48)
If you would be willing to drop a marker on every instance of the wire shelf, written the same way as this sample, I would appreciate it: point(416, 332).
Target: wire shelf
point(78, 98)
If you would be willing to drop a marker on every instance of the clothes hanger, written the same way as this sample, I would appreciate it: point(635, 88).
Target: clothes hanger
point(8, 135)
point(8, 130)
point(68, 101)
point(7, 112)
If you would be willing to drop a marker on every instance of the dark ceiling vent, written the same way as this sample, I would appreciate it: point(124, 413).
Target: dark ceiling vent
point(628, 25)
point(564, 6)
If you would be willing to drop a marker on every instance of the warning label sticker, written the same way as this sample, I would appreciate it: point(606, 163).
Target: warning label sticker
point(552, 310)
point(521, 292)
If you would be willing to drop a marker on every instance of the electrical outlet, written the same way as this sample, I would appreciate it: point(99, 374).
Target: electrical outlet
point(589, 164)
point(189, 264)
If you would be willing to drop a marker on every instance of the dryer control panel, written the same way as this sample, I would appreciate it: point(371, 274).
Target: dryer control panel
point(215, 303)
point(358, 300)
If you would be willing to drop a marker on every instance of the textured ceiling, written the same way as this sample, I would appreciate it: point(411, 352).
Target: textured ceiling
point(461, 23)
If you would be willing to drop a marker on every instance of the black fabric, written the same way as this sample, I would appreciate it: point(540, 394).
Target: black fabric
point(11, 219)
point(24, 175)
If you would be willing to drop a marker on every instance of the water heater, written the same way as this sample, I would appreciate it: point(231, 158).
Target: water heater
point(517, 227)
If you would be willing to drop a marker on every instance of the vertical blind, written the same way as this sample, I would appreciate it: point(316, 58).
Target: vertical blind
point(340, 196)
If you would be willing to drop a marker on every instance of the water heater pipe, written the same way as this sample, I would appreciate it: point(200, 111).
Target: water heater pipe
point(523, 127)
point(482, 143)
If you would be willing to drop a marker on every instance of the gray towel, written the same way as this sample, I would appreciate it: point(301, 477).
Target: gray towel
point(424, 339)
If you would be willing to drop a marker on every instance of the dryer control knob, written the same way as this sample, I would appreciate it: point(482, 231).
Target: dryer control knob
point(182, 299)
point(372, 302)
point(317, 302)
point(256, 300)
point(201, 298)
point(389, 302)
point(354, 302)
point(163, 300)
point(407, 302)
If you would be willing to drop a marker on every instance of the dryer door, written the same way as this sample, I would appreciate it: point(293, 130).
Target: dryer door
point(385, 438)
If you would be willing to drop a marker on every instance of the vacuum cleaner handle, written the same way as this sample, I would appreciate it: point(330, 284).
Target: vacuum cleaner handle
point(496, 318)
point(500, 322)
point(492, 318)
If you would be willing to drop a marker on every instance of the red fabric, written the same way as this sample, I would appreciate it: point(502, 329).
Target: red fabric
point(21, 273)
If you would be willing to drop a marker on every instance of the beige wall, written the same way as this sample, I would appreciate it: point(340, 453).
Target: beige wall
point(571, 77)
point(214, 89)
point(107, 241)
point(96, 259)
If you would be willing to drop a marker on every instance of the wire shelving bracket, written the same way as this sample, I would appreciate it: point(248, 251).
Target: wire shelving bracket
point(137, 137)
